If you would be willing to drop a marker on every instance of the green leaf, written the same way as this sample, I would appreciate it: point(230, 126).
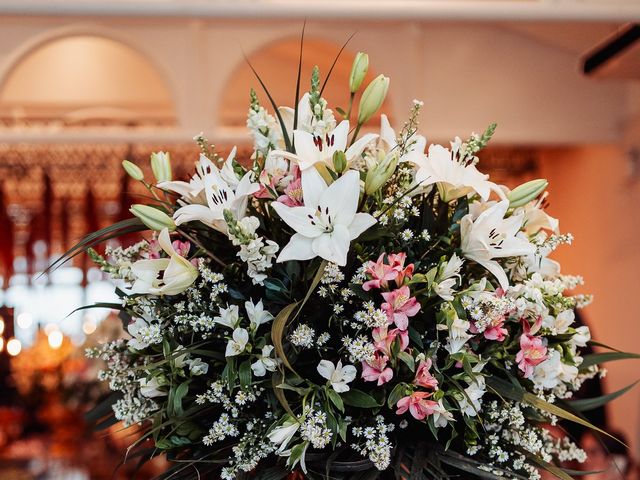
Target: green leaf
point(549, 467)
point(178, 396)
point(399, 391)
point(244, 373)
point(335, 399)
point(408, 360)
point(586, 404)
point(598, 358)
point(357, 398)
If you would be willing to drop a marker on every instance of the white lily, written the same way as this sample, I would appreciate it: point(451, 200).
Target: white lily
point(257, 314)
point(265, 362)
point(327, 222)
point(238, 343)
point(314, 149)
point(220, 196)
point(179, 274)
point(193, 190)
point(492, 236)
point(453, 178)
point(337, 375)
point(229, 317)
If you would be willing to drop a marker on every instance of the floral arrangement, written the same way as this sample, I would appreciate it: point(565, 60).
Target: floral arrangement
point(344, 306)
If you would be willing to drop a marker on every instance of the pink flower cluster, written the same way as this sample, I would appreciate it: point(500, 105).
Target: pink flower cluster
point(292, 196)
point(391, 276)
point(533, 350)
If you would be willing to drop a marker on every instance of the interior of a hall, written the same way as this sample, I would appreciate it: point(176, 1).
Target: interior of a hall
point(84, 85)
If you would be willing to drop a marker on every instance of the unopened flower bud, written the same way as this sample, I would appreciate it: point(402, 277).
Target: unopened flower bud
point(339, 161)
point(358, 71)
point(132, 170)
point(523, 194)
point(161, 166)
point(372, 98)
point(153, 218)
point(378, 174)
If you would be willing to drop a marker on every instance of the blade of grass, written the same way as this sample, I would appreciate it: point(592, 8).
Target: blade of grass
point(335, 60)
point(295, 105)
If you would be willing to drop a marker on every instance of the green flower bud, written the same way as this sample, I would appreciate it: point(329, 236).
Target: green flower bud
point(372, 98)
point(161, 166)
point(339, 161)
point(132, 170)
point(523, 194)
point(358, 71)
point(378, 174)
point(153, 218)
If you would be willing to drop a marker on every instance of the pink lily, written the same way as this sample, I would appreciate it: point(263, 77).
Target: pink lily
point(380, 274)
point(384, 338)
point(423, 377)
point(417, 404)
point(399, 306)
point(377, 370)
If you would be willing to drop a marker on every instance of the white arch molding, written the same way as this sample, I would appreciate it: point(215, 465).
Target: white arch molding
point(18, 55)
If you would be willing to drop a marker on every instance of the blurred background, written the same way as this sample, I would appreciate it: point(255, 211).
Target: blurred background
point(86, 84)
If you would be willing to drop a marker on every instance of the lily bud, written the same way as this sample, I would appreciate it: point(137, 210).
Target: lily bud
point(372, 98)
point(523, 194)
point(339, 161)
point(378, 174)
point(161, 166)
point(132, 170)
point(153, 218)
point(358, 71)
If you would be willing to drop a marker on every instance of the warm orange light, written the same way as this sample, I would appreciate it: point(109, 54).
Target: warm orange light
point(1, 344)
point(50, 327)
point(1, 325)
point(89, 326)
point(14, 347)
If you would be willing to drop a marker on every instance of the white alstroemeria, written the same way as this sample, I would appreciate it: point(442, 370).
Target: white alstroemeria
point(229, 317)
point(492, 236)
point(551, 372)
point(257, 314)
point(328, 222)
point(560, 323)
point(151, 388)
point(220, 196)
point(471, 403)
point(264, 362)
point(441, 416)
point(314, 149)
point(197, 367)
point(446, 279)
point(283, 434)
point(238, 343)
point(536, 219)
point(337, 375)
point(453, 178)
point(458, 335)
point(178, 272)
point(581, 337)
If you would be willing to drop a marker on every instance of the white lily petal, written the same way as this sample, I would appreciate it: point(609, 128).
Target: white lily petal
point(298, 248)
point(306, 151)
point(298, 218)
point(360, 223)
point(192, 213)
point(341, 198)
point(357, 148)
point(340, 138)
point(312, 187)
point(333, 247)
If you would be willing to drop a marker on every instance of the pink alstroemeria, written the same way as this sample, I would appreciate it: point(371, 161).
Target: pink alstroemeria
point(418, 405)
point(380, 272)
point(181, 247)
point(384, 338)
point(376, 370)
point(423, 377)
point(399, 306)
point(292, 194)
point(267, 186)
point(396, 260)
point(533, 350)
